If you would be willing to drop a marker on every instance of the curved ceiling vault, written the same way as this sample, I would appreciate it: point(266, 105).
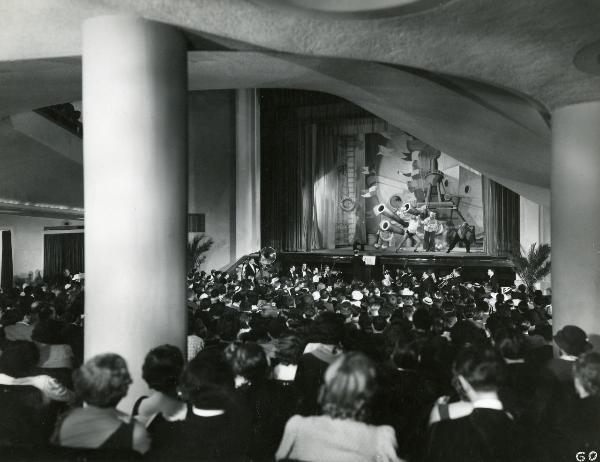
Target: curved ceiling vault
point(475, 79)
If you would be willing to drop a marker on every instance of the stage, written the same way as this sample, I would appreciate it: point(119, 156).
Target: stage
point(474, 265)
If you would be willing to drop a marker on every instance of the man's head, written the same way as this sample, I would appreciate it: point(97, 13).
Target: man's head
point(432, 214)
point(478, 370)
point(490, 272)
point(572, 340)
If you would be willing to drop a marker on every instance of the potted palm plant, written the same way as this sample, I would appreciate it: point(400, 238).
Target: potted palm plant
point(534, 265)
point(196, 249)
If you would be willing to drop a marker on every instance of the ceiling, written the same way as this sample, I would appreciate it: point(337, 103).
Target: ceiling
point(476, 79)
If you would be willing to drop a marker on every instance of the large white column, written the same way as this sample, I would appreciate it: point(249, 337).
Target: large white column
point(247, 211)
point(575, 216)
point(135, 185)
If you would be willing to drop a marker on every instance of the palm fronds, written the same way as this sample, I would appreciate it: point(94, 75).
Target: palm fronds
point(196, 250)
point(533, 266)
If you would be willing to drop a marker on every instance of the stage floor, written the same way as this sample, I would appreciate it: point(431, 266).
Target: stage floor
point(404, 252)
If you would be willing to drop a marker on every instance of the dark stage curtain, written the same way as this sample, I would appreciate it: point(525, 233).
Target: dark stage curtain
point(501, 219)
point(7, 260)
point(304, 151)
point(63, 251)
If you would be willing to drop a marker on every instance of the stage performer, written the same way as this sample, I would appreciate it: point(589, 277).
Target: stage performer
point(411, 232)
point(384, 239)
point(465, 234)
point(431, 226)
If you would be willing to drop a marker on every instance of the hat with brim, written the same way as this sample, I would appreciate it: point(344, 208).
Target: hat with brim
point(428, 301)
point(406, 292)
point(572, 340)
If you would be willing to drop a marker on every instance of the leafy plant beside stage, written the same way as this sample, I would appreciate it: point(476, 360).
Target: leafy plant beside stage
point(196, 249)
point(534, 265)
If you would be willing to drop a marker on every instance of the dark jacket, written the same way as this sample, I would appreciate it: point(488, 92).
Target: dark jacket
point(486, 435)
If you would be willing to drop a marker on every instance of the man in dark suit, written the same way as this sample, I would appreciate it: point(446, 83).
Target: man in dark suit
point(326, 276)
point(577, 426)
point(488, 433)
point(493, 280)
point(291, 273)
point(305, 271)
point(250, 269)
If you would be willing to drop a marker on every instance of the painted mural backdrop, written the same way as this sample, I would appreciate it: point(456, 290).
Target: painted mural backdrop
point(400, 169)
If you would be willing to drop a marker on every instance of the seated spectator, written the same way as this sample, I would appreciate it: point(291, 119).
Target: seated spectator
point(542, 352)
point(101, 383)
point(17, 325)
point(251, 369)
point(195, 340)
point(519, 392)
point(72, 334)
point(54, 353)
point(287, 355)
point(324, 349)
point(282, 387)
point(161, 371)
point(404, 398)
point(27, 414)
point(579, 425)
point(56, 357)
point(572, 343)
point(341, 433)
point(214, 427)
point(487, 433)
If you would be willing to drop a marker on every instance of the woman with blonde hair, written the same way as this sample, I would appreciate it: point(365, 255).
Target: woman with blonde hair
point(341, 434)
point(101, 383)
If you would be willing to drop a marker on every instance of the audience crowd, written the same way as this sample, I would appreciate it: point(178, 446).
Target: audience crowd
point(304, 366)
